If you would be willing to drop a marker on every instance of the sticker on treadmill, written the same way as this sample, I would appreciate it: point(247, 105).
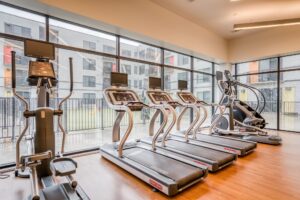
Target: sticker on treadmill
point(155, 184)
point(231, 150)
point(201, 163)
point(43, 114)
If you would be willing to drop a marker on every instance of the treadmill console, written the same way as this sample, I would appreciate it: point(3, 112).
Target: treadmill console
point(161, 97)
point(187, 97)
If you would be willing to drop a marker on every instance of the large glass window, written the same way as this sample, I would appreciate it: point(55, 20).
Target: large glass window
point(267, 84)
point(132, 49)
point(257, 66)
point(290, 100)
point(138, 79)
point(176, 59)
point(77, 36)
point(87, 118)
point(21, 23)
point(203, 91)
point(290, 62)
point(202, 65)
point(171, 77)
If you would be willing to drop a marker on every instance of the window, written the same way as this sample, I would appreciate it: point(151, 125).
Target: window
point(289, 100)
point(176, 59)
point(202, 65)
point(89, 45)
point(21, 77)
point(290, 62)
point(135, 69)
point(109, 49)
point(268, 87)
point(22, 23)
point(133, 49)
point(73, 35)
point(182, 76)
point(126, 53)
point(203, 78)
point(257, 66)
point(89, 81)
point(89, 64)
point(17, 30)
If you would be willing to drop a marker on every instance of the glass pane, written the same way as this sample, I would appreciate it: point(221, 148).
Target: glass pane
point(202, 65)
point(290, 62)
point(203, 91)
point(257, 66)
point(267, 84)
point(138, 79)
point(86, 118)
point(11, 109)
point(289, 101)
point(21, 23)
point(77, 36)
point(132, 49)
point(176, 59)
point(171, 78)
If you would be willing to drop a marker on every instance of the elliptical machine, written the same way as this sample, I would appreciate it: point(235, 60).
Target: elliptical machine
point(42, 163)
point(242, 120)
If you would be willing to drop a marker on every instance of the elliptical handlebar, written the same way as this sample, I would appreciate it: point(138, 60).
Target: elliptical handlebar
point(60, 107)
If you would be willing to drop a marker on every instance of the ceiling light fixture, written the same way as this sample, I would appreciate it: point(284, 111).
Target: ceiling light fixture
point(266, 24)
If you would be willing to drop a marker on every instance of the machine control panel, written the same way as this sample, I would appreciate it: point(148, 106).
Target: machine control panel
point(161, 97)
point(125, 97)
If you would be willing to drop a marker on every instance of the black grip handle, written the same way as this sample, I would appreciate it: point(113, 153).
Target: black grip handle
point(71, 74)
point(13, 69)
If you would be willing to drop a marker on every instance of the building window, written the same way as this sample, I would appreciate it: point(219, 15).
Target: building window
point(182, 76)
point(21, 77)
point(140, 84)
point(126, 53)
point(17, 30)
point(135, 69)
point(135, 83)
point(109, 49)
point(201, 78)
point(89, 81)
point(89, 64)
point(89, 45)
point(183, 60)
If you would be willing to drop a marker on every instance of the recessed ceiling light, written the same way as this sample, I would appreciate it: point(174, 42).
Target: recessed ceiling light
point(234, 0)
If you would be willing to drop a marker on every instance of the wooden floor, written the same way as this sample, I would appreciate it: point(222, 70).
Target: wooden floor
point(271, 173)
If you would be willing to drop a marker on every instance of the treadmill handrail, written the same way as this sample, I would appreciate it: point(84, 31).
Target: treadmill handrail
point(127, 133)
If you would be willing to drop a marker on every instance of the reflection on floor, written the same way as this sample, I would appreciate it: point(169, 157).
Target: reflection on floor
point(270, 173)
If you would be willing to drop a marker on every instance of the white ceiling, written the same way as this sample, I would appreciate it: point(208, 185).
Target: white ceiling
point(220, 15)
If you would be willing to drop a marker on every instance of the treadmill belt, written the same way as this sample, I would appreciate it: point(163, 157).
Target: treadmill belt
point(227, 142)
point(214, 155)
point(179, 172)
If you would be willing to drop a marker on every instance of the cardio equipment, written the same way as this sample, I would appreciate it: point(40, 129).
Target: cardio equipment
point(162, 172)
point(213, 159)
point(241, 120)
point(231, 145)
point(42, 163)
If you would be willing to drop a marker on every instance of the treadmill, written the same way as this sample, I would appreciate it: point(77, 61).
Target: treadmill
point(213, 159)
point(231, 145)
point(159, 170)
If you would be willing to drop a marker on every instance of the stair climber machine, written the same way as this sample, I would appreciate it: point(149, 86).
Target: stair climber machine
point(42, 163)
point(159, 169)
point(213, 159)
point(241, 120)
point(231, 145)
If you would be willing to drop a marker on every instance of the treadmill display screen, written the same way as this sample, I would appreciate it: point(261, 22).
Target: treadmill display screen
point(119, 79)
point(38, 49)
point(123, 96)
point(182, 85)
point(188, 98)
point(160, 97)
point(154, 83)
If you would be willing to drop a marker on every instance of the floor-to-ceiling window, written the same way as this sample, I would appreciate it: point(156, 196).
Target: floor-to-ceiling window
point(87, 119)
point(278, 79)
